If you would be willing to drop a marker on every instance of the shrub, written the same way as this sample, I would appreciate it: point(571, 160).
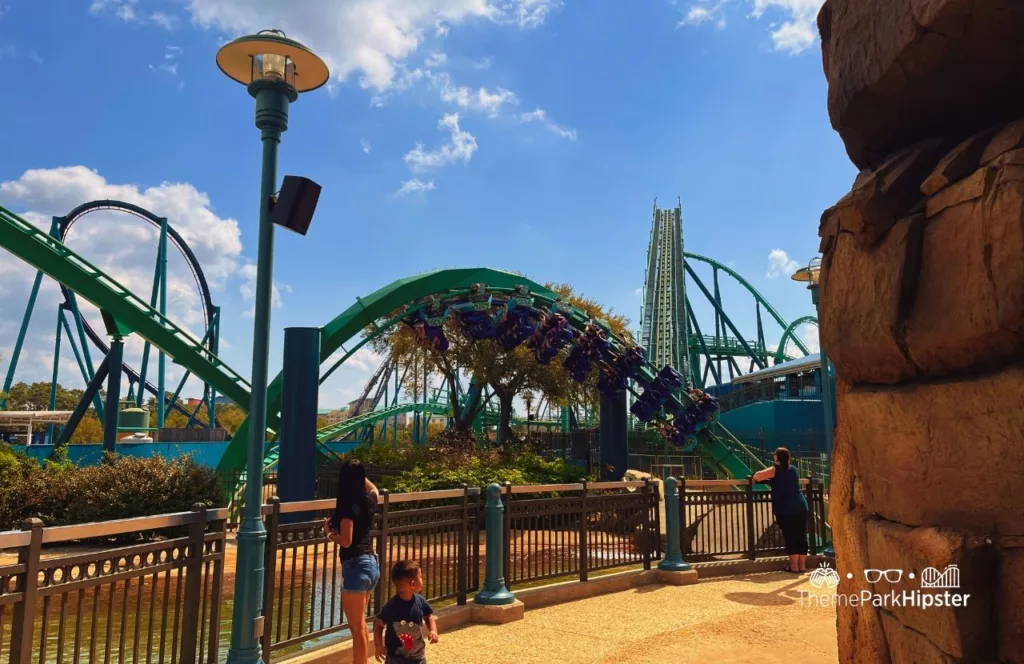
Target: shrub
point(120, 487)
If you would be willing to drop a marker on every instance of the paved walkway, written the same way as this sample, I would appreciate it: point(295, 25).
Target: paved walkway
point(756, 618)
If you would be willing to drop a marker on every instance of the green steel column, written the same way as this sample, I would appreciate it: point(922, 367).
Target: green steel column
point(29, 308)
point(56, 372)
point(161, 367)
point(154, 300)
point(494, 592)
point(272, 101)
point(211, 407)
point(111, 411)
point(674, 561)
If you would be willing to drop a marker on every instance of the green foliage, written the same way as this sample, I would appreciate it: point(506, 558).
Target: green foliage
point(441, 470)
point(121, 487)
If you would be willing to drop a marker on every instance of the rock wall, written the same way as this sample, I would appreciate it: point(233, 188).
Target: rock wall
point(922, 311)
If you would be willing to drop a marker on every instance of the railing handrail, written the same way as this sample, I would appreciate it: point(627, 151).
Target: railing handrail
point(11, 539)
point(546, 488)
point(78, 531)
point(705, 484)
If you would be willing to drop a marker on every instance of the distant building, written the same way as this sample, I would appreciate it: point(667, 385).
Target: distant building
point(192, 403)
point(332, 417)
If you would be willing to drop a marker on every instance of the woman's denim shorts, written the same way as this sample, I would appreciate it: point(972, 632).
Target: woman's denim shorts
point(360, 574)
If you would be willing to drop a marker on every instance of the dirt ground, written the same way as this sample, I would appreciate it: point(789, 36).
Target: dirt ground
point(757, 618)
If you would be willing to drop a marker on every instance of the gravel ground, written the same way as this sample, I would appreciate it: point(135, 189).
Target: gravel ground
point(756, 618)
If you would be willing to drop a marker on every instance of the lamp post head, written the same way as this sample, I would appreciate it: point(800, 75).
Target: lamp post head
point(810, 274)
point(269, 56)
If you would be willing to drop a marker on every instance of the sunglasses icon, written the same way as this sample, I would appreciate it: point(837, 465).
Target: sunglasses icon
point(876, 575)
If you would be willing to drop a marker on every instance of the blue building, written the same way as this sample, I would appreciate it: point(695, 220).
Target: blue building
point(780, 406)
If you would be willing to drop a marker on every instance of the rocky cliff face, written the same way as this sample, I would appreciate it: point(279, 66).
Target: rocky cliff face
point(922, 311)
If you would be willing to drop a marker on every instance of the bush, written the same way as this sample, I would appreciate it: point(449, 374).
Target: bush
point(452, 468)
point(121, 487)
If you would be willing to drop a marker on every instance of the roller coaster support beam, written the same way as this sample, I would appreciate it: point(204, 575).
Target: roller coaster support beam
point(92, 390)
point(56, 370)
point(83, 340)
point(114, 359)
point(612, 436)
point(161, 369)
point(12, 367)
point(725, 319)
point(296, 465)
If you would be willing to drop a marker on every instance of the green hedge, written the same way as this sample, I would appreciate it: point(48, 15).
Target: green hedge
point(121, 487)
point(447, 468)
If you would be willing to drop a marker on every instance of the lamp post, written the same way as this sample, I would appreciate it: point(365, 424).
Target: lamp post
point(275, 69)
point(811, 275)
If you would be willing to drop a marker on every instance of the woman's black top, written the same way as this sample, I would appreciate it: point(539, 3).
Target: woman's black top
point(786, 495)
point(361, 512)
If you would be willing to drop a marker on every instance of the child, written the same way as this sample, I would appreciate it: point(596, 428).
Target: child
point(403, 617)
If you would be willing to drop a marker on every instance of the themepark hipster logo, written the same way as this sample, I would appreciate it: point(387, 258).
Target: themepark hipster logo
point(934, 589)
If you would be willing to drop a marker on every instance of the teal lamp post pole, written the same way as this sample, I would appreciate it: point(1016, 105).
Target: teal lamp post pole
point(275, 70)
point(811, 275)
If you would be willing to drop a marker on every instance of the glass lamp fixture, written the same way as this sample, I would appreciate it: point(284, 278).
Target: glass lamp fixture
point(271, 56)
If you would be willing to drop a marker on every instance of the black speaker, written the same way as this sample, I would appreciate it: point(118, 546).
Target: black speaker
point(295, 204)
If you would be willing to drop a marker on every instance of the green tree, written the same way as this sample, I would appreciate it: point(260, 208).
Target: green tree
point(506, 372)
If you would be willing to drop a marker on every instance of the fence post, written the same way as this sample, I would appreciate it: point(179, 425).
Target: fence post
point(270, 575)
point(382, 547)
point(812, 525)
point(23, 623)
point(192, 604)
point(683, 525)
point(645, 525)
point(673, 561)
point(584, 554)
point(506, 530)
point(494, 592)
point(751, 543)
point(463, 555)
point(216, 592)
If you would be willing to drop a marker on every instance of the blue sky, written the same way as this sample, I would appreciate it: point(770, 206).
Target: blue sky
point(530, 135)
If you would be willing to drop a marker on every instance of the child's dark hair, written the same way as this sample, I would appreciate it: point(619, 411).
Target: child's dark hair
point(404, 570)
point(782, 454)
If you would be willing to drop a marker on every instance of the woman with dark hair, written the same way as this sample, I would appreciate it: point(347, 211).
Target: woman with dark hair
point(790, 508)
point(349, 528)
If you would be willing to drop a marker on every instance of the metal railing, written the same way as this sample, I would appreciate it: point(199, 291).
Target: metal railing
point(558, 530)
point(162, 600)
point(761, 391)
point(663, 466)
point(153, 602)
point(722, 519)
point(302, 603)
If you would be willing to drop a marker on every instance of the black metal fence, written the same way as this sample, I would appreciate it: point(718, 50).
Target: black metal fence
point(722, 519)
point(560, 530)
point(439, 529)
point(157, 601)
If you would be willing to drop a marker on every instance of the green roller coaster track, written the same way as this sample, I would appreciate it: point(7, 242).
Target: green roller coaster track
point(57, 261)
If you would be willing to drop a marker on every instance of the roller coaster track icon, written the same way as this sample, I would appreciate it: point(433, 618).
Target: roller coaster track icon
point(947, 579)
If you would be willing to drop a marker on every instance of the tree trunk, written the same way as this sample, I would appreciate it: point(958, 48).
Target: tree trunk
point(505, 398)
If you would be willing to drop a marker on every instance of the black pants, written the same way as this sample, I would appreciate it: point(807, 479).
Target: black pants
point(794, 532)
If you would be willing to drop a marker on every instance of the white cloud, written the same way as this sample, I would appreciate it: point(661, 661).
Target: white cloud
point(480, 99)
point(435, 60)
point(42, 193)
point(639, 292)
point(170, 63)
point(530, 13)
point(794, 36)
point(364, 145)
point(780, 264)
point(364, 37)
point(809, 336)
point(460, 147)
point(540, 115)
point(414, 185)
point(796, 33)
point(165, 21)
point(248, 289)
